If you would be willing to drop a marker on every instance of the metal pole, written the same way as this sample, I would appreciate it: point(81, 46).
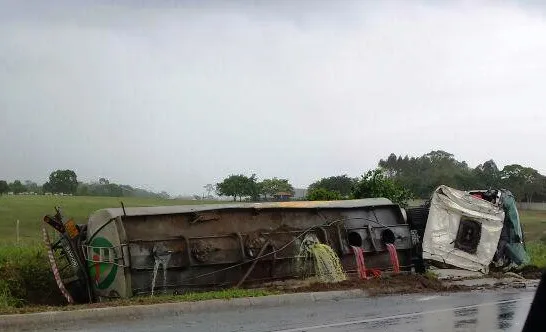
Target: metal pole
point(260, 254)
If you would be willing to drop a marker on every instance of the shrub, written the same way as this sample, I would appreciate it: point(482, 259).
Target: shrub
point(25, 277)
point(376, 184)
point(322, 194)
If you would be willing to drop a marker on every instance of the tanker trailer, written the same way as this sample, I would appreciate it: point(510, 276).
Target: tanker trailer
point(174, 249)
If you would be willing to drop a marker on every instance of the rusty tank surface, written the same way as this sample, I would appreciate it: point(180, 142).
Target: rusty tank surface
point(146, 250)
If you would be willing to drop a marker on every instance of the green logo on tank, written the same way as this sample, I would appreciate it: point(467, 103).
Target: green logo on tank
point(101, 272)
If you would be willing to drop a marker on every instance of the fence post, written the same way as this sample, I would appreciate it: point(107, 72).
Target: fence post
point(17, 230)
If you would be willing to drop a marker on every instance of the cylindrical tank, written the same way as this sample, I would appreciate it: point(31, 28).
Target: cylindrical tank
point(136, 251)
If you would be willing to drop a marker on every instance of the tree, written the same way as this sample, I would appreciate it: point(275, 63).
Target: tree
point(376, 184)
point(251, 188)
point(113, 190)
point(421, 175)
point(62, 181)
point(487, 175)
point(82, 190)
point(209, 188)
point(32, 186)
point(391, 165)
point(323, 194)
point(267, 188)
point(17, 187)
point(231, 186)
point(238, 186)
point(98, 189)
point(270, 187)
point(523, 182)
point(103, 181)
point(340, 183)
point(4, 187)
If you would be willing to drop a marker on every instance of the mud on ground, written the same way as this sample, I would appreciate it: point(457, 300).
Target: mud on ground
point(532, 272)
point(527, 272)
point(384, 285)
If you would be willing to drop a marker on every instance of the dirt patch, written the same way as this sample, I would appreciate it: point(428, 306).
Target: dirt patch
point(527, 272)
point(395, 284)
point(532, 272)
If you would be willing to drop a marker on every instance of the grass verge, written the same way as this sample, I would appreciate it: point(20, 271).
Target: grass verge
point(226, 294)
point(25, 277)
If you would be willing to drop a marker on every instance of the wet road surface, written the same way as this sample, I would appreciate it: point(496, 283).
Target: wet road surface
point(472, 311)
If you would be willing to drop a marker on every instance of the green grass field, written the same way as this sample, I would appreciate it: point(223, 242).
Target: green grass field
point(30, 210)
point(534, 225)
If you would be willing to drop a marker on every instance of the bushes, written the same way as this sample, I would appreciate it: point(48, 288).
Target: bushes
point(6, 300)
point(377, 184)
point(322, 194)
point(26, 278)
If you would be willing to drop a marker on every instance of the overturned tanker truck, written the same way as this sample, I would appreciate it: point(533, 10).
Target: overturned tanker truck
point(124, 252)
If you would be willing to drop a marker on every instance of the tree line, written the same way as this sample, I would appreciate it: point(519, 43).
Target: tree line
point(398, 178)
point(66, 182)
point(421, 175)
point(242, 186)
point(372, 184)
point(401, 178)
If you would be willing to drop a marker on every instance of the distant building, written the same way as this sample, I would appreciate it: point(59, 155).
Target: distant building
point(299, 193)
point(282, 196)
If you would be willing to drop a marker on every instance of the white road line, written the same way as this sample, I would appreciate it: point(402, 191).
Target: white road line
point(427, 298)
point(370, 320)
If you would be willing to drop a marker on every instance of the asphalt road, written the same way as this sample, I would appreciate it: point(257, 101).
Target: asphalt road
point(474, 311)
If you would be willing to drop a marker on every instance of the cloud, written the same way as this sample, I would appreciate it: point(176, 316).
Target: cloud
point(173, 97)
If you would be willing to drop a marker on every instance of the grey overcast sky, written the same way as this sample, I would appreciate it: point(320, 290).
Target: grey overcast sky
point(172, 95)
